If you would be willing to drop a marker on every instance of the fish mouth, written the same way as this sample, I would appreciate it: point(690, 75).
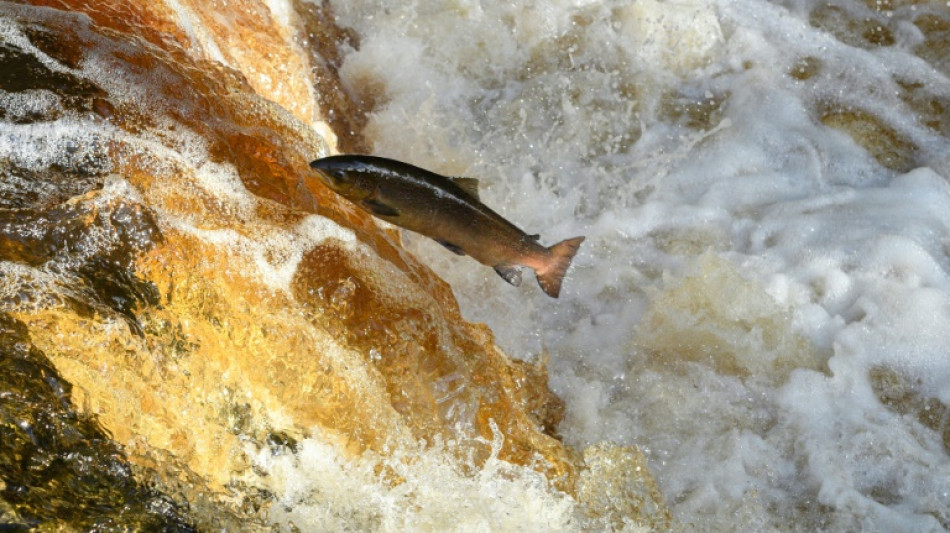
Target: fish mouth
point(324, 173)
point(319, 166)
point(324, 177)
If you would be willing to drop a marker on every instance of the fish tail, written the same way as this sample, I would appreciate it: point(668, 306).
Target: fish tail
point(561, 254)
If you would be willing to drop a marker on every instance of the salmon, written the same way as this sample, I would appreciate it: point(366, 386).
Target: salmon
point(449, 211)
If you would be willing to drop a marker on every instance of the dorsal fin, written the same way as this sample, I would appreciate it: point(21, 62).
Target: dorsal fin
point(469, 185)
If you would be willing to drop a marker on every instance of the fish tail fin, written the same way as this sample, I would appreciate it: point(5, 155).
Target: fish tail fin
point(561, 255)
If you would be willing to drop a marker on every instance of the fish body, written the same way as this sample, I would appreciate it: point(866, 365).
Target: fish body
point(447, 210)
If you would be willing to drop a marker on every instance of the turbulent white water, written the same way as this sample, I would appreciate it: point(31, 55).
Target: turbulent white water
point(761, 304)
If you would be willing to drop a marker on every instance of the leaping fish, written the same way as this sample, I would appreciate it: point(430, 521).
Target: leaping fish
point(447, 210)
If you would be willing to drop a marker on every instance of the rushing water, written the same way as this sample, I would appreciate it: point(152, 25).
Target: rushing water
point(763, 299)
point(762, 303)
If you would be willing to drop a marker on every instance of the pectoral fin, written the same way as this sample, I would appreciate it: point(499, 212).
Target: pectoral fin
point(452, 248)
point(510, 273)
point(469, 185)
point(379, 208)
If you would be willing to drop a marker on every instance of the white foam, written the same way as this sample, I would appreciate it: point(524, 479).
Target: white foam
point(562, 112)
point(201, 39)
point(282, 11)
point(67, 143)
point(673, 35)
point(11, 33)
point(26, 104)
point(317, 489)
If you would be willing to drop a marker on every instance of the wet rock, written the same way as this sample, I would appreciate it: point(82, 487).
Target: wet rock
point(59, 468)
point(891, 149)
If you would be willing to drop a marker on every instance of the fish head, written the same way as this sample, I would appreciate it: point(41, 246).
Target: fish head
point(344, 177)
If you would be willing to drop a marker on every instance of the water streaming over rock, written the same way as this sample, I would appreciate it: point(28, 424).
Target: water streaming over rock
point(195, 334)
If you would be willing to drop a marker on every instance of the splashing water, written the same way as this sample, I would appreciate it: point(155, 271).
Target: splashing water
point(763, 299)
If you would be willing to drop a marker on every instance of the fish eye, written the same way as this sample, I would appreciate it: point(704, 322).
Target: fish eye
point(339, 176)
point(332, 176)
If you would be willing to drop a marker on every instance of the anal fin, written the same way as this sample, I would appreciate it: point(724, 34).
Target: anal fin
point(510, 273)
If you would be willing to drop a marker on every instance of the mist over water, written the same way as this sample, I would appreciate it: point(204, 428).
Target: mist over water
point(762, 303)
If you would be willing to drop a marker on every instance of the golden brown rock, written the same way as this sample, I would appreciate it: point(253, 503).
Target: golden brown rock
point(889, 147)
point(618, 485)
point(243, 35)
